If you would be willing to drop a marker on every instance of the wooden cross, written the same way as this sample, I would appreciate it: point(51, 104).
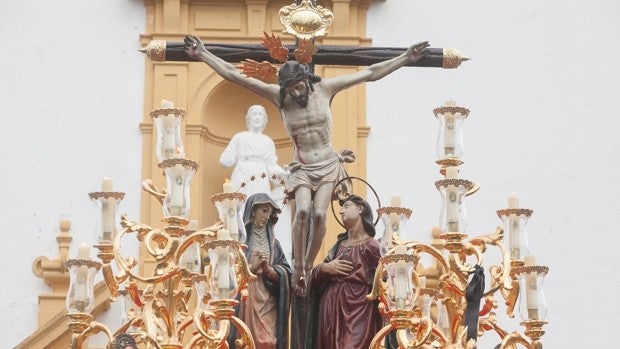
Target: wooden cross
point(163, 51)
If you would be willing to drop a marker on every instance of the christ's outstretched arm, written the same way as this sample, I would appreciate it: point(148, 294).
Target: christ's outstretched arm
point(196, 49)
point(378, 70)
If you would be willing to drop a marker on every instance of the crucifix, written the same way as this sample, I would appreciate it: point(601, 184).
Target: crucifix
point(304, 100)
point(304, 103)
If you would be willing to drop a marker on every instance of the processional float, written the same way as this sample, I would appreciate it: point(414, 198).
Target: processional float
point(442, 305)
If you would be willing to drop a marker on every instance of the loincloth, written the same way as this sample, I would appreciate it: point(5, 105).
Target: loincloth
point(312, 176)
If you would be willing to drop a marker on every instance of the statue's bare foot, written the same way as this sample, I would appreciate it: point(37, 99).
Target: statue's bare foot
point(298, 283)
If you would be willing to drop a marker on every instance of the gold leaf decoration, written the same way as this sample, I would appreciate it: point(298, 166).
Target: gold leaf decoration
point(303, 53)
point(259, 70)
point(277, 51)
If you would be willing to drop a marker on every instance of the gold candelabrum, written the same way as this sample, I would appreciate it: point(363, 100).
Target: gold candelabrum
point(160, 309)
point(427, 306)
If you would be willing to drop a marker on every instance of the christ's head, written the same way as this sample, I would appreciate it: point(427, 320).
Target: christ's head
point(299, 92)
point(296, 79)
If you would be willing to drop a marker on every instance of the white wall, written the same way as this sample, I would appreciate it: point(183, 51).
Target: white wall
point(71, 88)
point(543, 90)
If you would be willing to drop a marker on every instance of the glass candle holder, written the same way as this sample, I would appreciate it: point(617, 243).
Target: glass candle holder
point(425, 302)
point(514, 221)
point(402, 283)
point(228, 206)
point(81, 297)
point(168, 124)
point(203, 296)
point(106, 205)
point(190, 259)
point(453, 216)
point(179, 173)
point(395, 223)
point(532, 302)
point(130, 311)
point(450, 137)
point(221, 267)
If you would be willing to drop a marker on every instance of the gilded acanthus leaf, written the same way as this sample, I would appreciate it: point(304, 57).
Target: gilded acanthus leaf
point(491, 238)
point(134, 293)
point(149, 186)
point(132, 226)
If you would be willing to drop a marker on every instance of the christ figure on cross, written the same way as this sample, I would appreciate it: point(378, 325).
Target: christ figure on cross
point(304, 102)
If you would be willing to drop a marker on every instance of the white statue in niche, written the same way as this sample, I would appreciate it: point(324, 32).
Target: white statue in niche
point(253, 154)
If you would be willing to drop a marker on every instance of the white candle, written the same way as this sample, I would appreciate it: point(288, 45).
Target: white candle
point(513, 201)
point(227, 186)
point(452, 208)
point(107, 210)
point(531, 292)
point(193, 225)
point(400, 279)
point(231, 219)
point(166, 104)
point(81, 275)
point(80, 294)
point(400, 249)
point(222, 234)
point(223, 267)
point(393, 221)
point(191, 257)
point(84, 252)
point(395, 201)
point(514, 232)
point(449, 134)
point(514, 228)
point(530, 260)
point(168, 130)
point(393, 225)
point(452, 172)
point(231, 214)
point(107, 185)
point(176, 190)
point(169, 136)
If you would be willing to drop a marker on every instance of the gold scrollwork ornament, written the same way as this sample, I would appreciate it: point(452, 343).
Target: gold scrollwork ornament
point(305, 21)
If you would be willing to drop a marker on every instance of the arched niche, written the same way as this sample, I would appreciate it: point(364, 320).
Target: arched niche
point(222, 115)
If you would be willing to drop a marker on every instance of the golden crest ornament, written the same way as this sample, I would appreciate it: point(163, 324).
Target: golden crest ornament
point(305, 21)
